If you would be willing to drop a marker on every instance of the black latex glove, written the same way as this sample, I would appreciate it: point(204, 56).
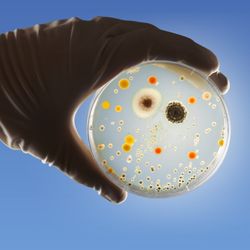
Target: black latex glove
point(46, 71)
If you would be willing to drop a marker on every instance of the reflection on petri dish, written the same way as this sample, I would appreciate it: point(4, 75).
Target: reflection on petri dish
point(158, 129)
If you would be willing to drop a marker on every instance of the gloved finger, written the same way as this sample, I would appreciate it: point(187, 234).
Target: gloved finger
point(221, 81)
point(3, 137)
point(77, 162)
point(127, 46)
point(115, 26)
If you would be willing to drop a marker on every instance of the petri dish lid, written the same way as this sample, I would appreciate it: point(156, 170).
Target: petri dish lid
point(159, 128)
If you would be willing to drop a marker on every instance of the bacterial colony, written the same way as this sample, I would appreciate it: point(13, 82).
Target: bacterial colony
point(158, 129)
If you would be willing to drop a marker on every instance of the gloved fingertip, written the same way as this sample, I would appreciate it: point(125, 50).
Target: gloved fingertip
point(221, 81)
point(116, 197)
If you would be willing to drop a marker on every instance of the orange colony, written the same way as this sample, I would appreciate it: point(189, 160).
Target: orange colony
point(110, 170)
point(192, 100)
point(105, 105)
point(158, 150)
point(118, 108)
point(124, 84)
point(126, 147)
point(192, 155)
point(221, 142)
point(129, 139)
point(152, 80)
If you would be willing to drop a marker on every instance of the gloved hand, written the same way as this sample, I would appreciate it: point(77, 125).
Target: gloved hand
point(46, 71)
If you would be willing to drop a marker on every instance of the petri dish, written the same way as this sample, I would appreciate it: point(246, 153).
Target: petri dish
point(159, 128)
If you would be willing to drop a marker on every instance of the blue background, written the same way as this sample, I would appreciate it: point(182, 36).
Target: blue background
point(40, 208)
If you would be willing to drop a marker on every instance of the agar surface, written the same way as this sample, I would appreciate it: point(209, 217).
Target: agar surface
point(157, 132)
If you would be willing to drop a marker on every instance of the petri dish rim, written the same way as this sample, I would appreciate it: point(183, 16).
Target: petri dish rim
point(204, 179)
